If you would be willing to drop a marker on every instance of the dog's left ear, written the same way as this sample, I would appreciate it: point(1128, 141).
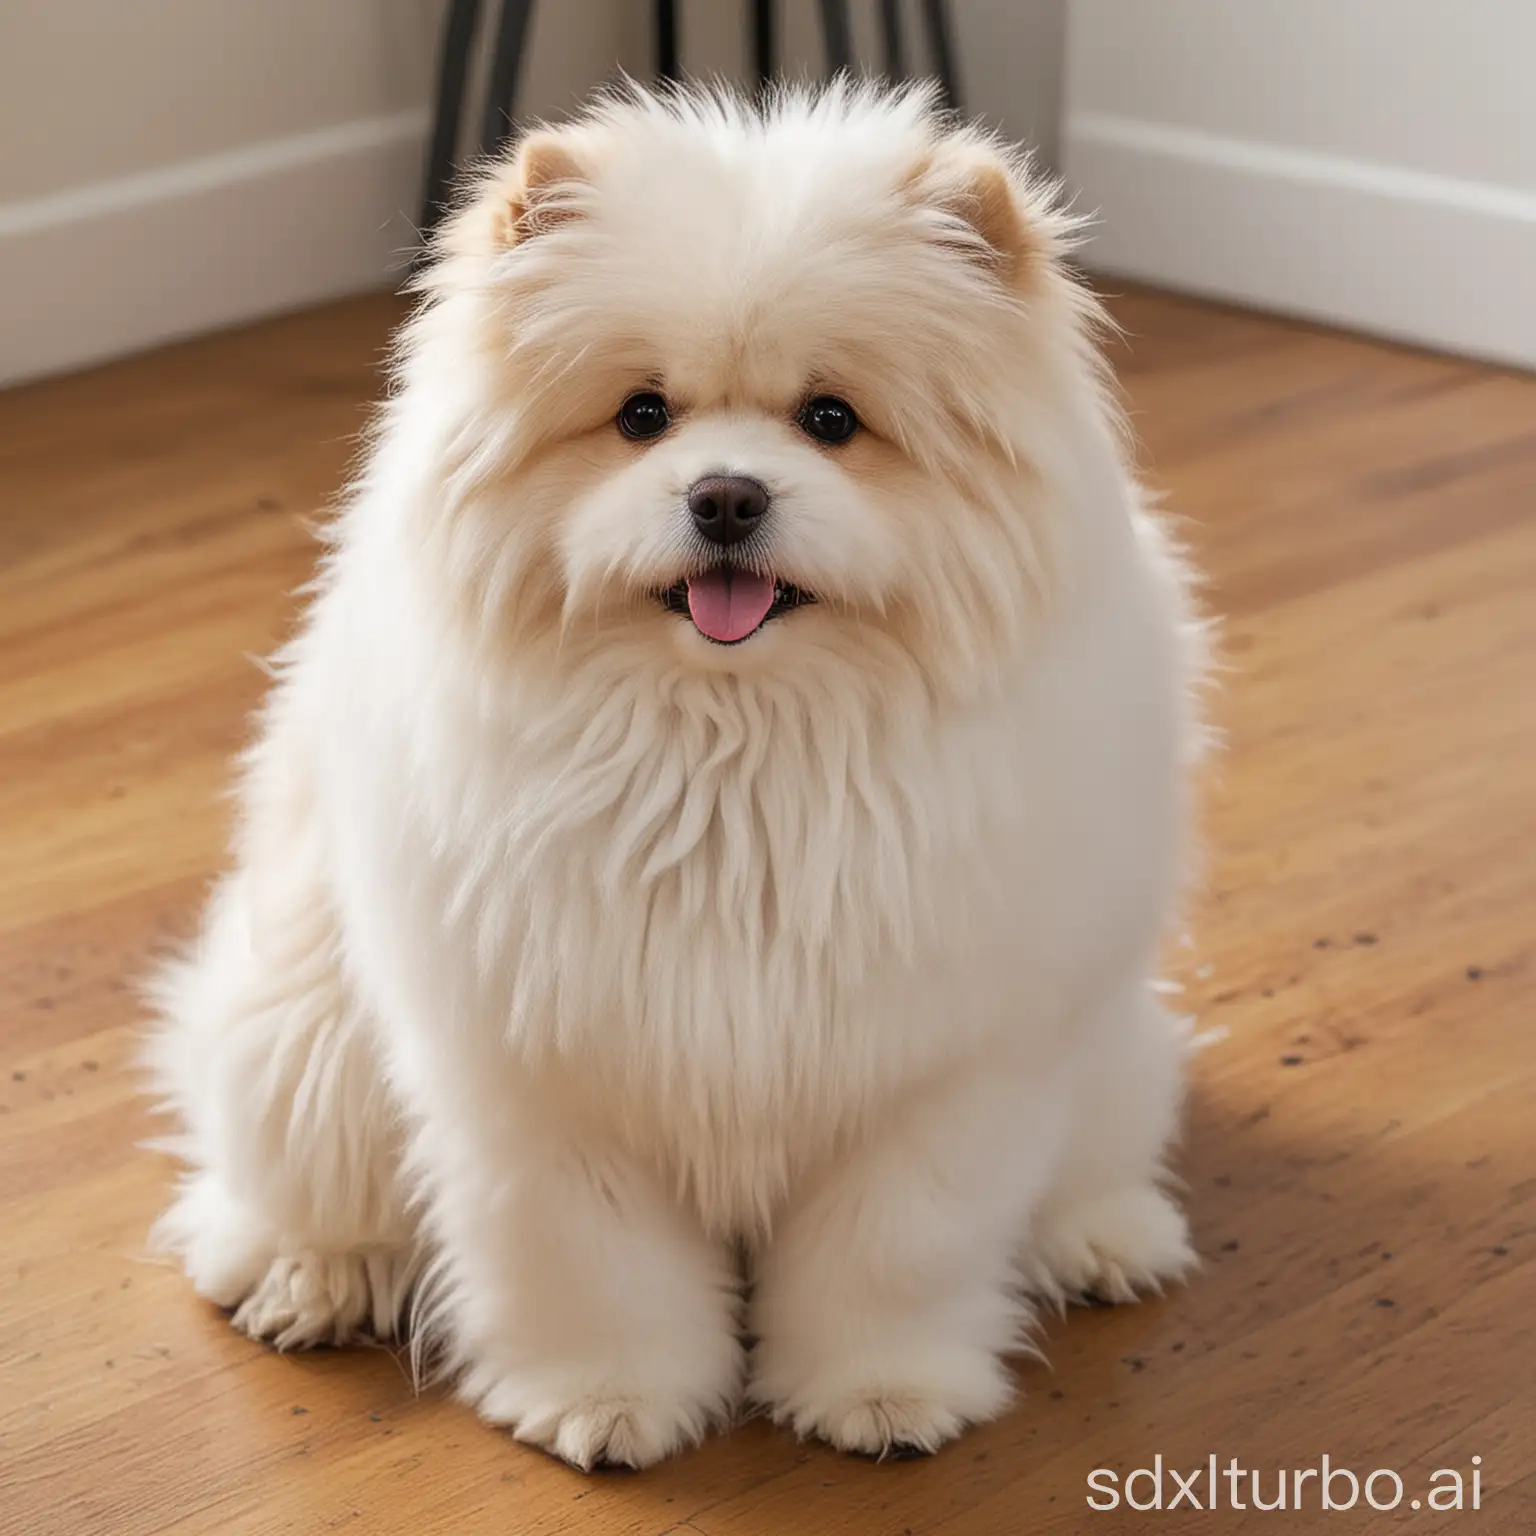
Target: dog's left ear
point(978, 189)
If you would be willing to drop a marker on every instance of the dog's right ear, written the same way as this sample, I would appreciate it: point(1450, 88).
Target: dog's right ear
point(521, 196)
point(543, 188)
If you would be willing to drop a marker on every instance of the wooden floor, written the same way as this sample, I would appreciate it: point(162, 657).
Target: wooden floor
point(1361, 1157)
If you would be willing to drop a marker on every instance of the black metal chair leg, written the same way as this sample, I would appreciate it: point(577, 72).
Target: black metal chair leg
point(837, 35)
point(764, 43)
point(941, 46)
point(453, 71)
point(506, 60)
point(895, 52)
point(666, 39)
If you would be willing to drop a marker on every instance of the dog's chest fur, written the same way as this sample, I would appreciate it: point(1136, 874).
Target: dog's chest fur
point(725, 903)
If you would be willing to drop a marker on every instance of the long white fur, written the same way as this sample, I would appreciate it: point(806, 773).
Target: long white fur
point(564, 960)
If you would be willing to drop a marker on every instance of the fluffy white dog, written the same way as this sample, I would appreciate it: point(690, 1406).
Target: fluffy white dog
point(700, 867)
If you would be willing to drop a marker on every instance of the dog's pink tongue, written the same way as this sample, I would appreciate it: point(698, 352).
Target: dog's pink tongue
point(728, 604)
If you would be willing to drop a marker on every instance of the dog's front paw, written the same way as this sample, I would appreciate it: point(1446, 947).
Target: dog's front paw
point(593, 1425)
point(600, 1429)
point(890, 1409)
point(1115, 1248)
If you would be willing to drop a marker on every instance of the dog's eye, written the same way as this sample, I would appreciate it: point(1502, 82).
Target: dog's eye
point(828, 419)
point(644, 415)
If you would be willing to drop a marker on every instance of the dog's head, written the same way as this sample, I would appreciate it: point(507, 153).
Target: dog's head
point(755, 390)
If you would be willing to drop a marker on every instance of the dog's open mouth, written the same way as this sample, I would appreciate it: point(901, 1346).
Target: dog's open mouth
point(729, 605)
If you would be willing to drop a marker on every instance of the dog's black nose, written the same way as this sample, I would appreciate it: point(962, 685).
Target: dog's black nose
point(727, 508)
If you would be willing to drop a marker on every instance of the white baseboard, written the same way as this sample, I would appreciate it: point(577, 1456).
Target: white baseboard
point(98, 271)
point(1430, 260)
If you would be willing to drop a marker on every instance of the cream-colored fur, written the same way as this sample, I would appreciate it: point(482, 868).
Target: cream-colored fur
point(567, 957)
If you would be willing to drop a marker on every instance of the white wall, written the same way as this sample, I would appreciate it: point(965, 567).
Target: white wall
point(1369, 162)
point(168, 166)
